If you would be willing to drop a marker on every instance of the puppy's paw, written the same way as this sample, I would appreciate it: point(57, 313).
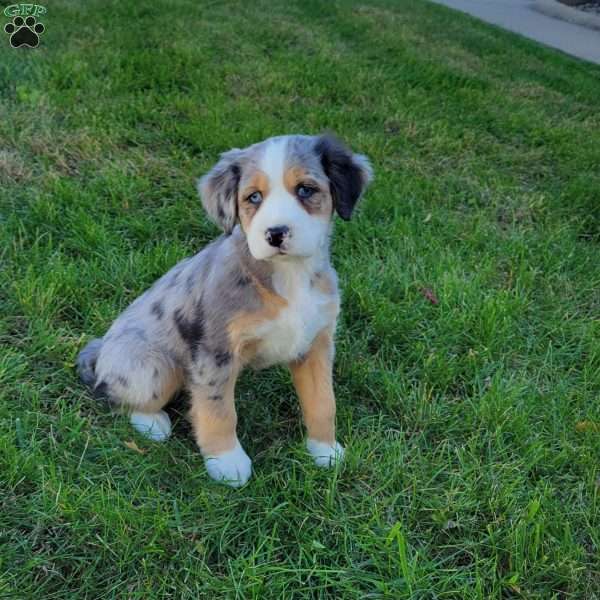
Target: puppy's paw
point(324, 454)
point(155, 426)
point(233, 467)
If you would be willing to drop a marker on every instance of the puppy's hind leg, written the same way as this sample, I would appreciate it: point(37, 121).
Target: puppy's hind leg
point(141, 382)
point(155, 426)
point(147, 416)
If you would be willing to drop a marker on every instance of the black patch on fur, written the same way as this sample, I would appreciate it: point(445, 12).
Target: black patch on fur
point(243, 281)
point(222, 358)
point(191, 330)
point(315, 278)
point(300, 358)
point(157, 310)
point(212, 383)
point(101, 390)
point(216, 398)
point(156, 373)
point(174, 279)
point(189, 283)
point(345, 176)
point(123, 380)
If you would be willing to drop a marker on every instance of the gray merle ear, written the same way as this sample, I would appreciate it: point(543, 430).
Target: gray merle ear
point(348, 173)
point(218, 189)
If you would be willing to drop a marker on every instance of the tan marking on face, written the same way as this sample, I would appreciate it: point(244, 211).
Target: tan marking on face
point(257, 181)
point(243, 325)
point(320, 203)
point(312, 378)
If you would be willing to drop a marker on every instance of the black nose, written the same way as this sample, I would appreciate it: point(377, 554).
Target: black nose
point(276, 235)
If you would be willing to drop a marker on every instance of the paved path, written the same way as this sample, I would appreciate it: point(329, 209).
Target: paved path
point(519, 16)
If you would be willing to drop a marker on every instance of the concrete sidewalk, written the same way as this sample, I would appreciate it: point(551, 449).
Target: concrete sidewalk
point(520, 17)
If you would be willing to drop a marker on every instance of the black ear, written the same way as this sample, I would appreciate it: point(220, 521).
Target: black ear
point(348, 173)
point(219, 187)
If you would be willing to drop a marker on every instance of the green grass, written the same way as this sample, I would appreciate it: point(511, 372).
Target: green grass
point(466, 476)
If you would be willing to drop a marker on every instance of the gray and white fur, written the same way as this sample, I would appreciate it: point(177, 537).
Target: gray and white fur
point(262, 293)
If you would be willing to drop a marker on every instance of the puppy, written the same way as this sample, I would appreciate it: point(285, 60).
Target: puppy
point(263, 293)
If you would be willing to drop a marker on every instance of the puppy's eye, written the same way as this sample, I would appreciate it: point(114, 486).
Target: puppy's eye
point(255, 198)
point(304, 192)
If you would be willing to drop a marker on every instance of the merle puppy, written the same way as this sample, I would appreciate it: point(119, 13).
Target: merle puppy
point(263, 293)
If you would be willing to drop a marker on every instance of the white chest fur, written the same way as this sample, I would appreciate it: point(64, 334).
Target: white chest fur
point(309, 310)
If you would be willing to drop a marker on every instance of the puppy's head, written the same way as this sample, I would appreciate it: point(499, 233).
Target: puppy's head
point(284, 191)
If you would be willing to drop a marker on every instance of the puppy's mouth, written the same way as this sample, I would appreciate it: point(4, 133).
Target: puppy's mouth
point(283, 250)
point(278, 253)
point(288, 254)
point(281, 254)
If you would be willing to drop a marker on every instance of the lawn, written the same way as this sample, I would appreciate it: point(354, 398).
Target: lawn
point(468, 353)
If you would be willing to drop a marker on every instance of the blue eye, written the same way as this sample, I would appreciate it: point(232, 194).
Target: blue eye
point(255, 198)
point(304, 192)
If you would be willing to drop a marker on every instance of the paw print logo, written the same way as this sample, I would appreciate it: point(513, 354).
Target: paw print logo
point(24, 32)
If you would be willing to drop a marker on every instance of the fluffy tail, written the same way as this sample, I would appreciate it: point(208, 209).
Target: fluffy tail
point(86, 362)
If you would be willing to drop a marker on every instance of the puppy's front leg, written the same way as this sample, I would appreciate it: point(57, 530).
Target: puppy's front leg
point(214, 421)
point(313, 380)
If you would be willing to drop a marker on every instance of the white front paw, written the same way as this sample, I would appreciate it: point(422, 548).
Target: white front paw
point(233, 467)
point(155, 426)
point(324, 454)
